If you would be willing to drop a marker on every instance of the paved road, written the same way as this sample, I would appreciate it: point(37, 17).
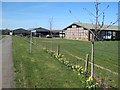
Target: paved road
point(7, 63)
point(0, 64)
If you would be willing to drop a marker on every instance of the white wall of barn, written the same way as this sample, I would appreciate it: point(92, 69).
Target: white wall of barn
point(76, 33)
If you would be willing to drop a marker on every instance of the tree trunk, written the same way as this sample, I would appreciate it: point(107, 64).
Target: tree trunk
point(92, 58)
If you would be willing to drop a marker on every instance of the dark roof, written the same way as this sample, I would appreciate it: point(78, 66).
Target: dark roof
point(40, 29)
point(92, 26)
point(20, 30)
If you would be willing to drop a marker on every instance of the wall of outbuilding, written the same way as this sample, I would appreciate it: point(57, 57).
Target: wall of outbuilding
point(76, 33)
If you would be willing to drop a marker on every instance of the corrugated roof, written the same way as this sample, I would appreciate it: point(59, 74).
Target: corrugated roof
point(92, 26)
point(41, 29)
point(20, 30)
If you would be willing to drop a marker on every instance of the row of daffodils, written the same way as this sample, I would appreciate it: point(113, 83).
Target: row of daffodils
point(89, 81)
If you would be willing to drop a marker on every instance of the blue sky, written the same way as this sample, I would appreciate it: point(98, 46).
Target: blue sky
point(37, 14)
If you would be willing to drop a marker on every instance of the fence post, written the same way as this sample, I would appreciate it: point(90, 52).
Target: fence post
point(86, 64)
point(58, 50)
point(30, 42)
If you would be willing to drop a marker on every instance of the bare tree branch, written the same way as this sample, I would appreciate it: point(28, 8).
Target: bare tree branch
point(103, 11)
point(103, 20)
point(90, 13)
point(111, 24)
point(81, 23)
point(74, 16)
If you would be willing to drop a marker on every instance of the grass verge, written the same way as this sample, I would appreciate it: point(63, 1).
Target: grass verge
point(39, 69)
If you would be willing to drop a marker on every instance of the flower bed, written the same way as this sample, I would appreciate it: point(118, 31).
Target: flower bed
point(89, 81)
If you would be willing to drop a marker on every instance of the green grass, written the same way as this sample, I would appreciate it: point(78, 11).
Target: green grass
point(106, 55)
point(39, 69)
point(37, 66)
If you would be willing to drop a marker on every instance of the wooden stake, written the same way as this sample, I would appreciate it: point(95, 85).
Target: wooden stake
point(86, 64)
point(30, 42)
point(58, 50)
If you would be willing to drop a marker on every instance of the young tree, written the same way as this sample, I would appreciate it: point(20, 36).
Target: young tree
point(95, 34)
point(98, 28)
point(51, 27)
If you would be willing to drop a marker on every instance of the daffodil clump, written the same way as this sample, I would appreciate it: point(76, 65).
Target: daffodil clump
point(60, 57)
point(78, 69)
point(89, 81)
point(46, 50)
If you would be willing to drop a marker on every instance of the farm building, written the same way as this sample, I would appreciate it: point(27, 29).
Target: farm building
point(5, 31)
point(42, 32)
point(58, 33)
point(11, 33)
point(77, 31)
point(21, 32)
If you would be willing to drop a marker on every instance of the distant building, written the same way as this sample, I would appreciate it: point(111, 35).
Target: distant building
point(5, 31)
point(77, 31)
point(21, 32)
point(58, 33)
point(11, 33)
point(42, 32)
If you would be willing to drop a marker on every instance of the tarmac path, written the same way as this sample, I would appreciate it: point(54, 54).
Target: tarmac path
point(7, 63)
point(0, 64)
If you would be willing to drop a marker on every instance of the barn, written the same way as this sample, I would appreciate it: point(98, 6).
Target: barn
point(21, 32)
point(40, 32)
point(5, 31)
point(58, 33)
point(43, 32)
point(78, 31)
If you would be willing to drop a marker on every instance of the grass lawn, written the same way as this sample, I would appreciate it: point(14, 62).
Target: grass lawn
point(39, 69)
point(106, 55)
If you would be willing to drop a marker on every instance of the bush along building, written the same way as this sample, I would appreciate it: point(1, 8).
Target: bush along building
point(77, 31)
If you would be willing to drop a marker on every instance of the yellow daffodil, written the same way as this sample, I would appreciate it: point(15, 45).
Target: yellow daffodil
point(89, 87)
point(73, 70)
point(90, 78)
point(72, 66)
point(76, 66)
point(96, 83)
point(82, 72)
